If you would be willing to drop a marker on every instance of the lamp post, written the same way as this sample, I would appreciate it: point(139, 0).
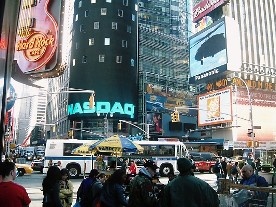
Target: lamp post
point(251, 130)
point(147, 128)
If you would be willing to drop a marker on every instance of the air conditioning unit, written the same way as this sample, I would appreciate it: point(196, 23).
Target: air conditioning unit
point(141, 4)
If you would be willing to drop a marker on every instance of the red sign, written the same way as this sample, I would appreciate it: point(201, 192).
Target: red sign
point(205, 7)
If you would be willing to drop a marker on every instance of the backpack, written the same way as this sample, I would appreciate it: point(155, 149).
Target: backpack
point(234, 170)
point(216, 168)
point(85, 195)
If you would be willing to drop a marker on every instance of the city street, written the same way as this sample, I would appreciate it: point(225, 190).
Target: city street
point(33, 185)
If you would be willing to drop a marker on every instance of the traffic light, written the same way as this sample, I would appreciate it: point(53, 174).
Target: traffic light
point(70, 133)
point(91, 101)
point(175, 116)
point(119, 126)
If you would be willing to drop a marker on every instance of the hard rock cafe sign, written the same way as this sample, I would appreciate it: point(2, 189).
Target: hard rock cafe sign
point(37, 36)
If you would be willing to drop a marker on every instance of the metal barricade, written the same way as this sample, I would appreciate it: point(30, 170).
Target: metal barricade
point(237, 195)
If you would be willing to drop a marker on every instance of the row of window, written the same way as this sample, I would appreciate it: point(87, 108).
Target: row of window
point(114, 26)
point(119, 59)
point(91, 41)
point(104, 13)
point(125, 2)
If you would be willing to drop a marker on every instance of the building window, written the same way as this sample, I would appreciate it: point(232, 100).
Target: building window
point(76, 17)
point(114, 25)
point(124, 43)
point(81, 28)
point(108, 1)
point(120, 13)
point(106, 41)
point(119, 59)
point(96, 25)
point(84, 59)
point(74, 62)
point(86, 13)
point(125, 2)
point(101, 58)
point(77, 45)
point(91, 41)
point(93, 1)
point(80, 4)
point(133, 17)
point(103, 11)
point(132, 62)
point(128, 29)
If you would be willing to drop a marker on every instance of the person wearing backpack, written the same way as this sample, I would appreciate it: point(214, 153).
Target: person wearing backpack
point(83, 191)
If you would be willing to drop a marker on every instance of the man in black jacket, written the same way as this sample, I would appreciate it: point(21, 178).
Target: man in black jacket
point(187, 190)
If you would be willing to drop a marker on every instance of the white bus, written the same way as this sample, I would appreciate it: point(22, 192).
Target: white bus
point(165, 153)
point(61, 150)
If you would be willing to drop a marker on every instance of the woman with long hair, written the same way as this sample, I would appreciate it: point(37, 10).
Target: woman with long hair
point(113, 191)
point(50, 186)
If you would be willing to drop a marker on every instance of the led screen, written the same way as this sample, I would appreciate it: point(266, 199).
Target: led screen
point(208, 50)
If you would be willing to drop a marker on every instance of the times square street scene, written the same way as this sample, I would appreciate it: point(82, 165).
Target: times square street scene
point(102, 84)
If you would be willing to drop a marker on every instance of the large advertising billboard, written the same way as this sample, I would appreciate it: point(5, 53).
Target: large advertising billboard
point(165, 99)
point(215, 50)
point(215, 107)
point(37, 35)
point(263, 110)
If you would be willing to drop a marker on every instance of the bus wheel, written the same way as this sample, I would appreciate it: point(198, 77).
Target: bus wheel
point(74, 171)
point(165, 169)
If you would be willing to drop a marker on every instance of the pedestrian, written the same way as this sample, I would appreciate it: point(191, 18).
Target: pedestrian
point(59, 165)
point(66, 189)
point(83, 195)
point(258, 165)
point(125, 165)
point(97, 189)
point(223, 168)
point(186, 190)
point(50, 187)
point(235, 171)
point(132, 170)
point(228, 169)
point(113, 193)
point(11, 193)
point(251, 179)
point(191, 158)
point(217, 169)
point(141, 187)
point(274, 162)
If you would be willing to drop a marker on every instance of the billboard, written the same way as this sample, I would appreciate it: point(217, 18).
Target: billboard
point(155, 123)
point(205, 7)
point(215, 107)
point(37, 35)
point(263, 108)
point(165, 99)
point(215, 50)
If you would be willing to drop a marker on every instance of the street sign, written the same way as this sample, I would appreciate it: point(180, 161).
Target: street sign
point(257, 127)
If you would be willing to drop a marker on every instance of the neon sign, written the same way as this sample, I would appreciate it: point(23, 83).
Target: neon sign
point(101, 107)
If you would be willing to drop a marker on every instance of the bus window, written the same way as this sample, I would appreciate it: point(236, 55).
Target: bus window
point(69, 147)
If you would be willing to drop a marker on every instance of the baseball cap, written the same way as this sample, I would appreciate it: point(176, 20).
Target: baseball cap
point(151, 164)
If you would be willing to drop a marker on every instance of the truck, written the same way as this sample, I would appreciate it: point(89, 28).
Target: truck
point(204, 161)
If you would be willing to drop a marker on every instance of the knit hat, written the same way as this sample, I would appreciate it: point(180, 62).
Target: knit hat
point(151, 164)
point(184, 165)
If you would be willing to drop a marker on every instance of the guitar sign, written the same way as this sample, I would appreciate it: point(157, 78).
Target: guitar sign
point(37, 35)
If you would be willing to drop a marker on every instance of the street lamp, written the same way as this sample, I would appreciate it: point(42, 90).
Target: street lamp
point(251, 130)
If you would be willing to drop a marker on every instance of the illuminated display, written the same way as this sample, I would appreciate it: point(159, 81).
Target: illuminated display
point(37, 35)
point(102, 107)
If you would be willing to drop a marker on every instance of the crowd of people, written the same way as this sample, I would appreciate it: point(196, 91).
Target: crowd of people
point(143, 186)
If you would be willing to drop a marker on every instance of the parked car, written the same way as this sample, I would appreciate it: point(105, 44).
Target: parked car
point(37, 165)
point(23, 169)
point(204, 161)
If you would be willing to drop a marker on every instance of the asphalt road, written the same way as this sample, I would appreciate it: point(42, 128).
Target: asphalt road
point(33, 185)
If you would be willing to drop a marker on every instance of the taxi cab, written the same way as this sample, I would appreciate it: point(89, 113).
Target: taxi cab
point(23, 169)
